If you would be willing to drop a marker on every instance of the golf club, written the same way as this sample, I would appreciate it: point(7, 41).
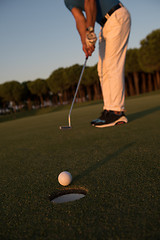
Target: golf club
point(69, 115)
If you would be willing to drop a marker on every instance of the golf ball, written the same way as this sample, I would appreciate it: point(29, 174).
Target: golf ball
point(64, 178)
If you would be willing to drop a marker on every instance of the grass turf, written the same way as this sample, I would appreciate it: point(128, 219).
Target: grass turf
point(117, 166)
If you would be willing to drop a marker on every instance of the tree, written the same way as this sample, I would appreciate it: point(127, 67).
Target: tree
point(27, 95)
point(96, 83)
point(149, 54)
point(1, 98)
point(39, 88)
point(11, 91)
point(90, 79)
point(132, 66)
point(73, 74)
point(62, 80)
point(56, 83)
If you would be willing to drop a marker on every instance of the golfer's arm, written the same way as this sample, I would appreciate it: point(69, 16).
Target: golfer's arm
point(91, 12)
point(80, 23)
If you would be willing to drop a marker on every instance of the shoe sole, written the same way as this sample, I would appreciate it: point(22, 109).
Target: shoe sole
point(119, 121)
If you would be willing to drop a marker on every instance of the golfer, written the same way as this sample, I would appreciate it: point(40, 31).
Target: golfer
point(115, 23)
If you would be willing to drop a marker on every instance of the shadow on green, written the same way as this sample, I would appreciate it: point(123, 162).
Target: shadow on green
point(99, 164)
point(137, 115)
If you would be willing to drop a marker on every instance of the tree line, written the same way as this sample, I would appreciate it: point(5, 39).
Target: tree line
point(142, 74)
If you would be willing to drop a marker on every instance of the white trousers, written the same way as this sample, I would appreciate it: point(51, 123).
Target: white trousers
point(113, 41)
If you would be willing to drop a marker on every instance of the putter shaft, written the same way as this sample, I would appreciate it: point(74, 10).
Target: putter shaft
point(69, 115)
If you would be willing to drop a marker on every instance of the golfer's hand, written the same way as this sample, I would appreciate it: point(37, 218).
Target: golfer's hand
point(91, 38)
point(88, 50)
point(89, 44)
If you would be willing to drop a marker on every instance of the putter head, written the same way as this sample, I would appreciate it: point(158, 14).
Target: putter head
point(64, 127)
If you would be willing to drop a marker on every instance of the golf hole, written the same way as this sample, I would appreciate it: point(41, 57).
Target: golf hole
point(69, 195)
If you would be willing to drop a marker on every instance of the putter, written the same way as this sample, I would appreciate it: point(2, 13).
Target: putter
point(69, 115)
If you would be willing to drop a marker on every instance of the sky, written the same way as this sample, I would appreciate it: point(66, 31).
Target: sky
point(39, 36)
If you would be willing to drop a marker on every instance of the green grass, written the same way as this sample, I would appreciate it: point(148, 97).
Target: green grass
point(118, 166)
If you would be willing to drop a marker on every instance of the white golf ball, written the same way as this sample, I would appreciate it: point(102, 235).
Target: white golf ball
point(64, 178)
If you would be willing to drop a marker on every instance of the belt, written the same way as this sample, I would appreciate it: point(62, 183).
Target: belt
point(104, 20)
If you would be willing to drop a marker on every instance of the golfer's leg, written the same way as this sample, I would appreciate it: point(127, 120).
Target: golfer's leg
point(101, 70)
point(115, 33)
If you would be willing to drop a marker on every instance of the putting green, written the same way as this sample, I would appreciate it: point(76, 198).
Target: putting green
point(118, 167)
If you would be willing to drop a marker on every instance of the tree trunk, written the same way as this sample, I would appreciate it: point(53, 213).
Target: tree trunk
point(97, 93)
point(130, 84)
point(78, 97)
point(60, 96)
point(29, 104)
point(14, 107)
point(65, 96)
point(155, 82)
point(61, 99)
point(73, 92)
point(82, 94)
point(136, 82)
point(150, 82)
point(55, 99)
point(126, 92)
point(70, 94)
point(144, 88)
point(41, 99)
point(89, 94)
point(158, 78)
